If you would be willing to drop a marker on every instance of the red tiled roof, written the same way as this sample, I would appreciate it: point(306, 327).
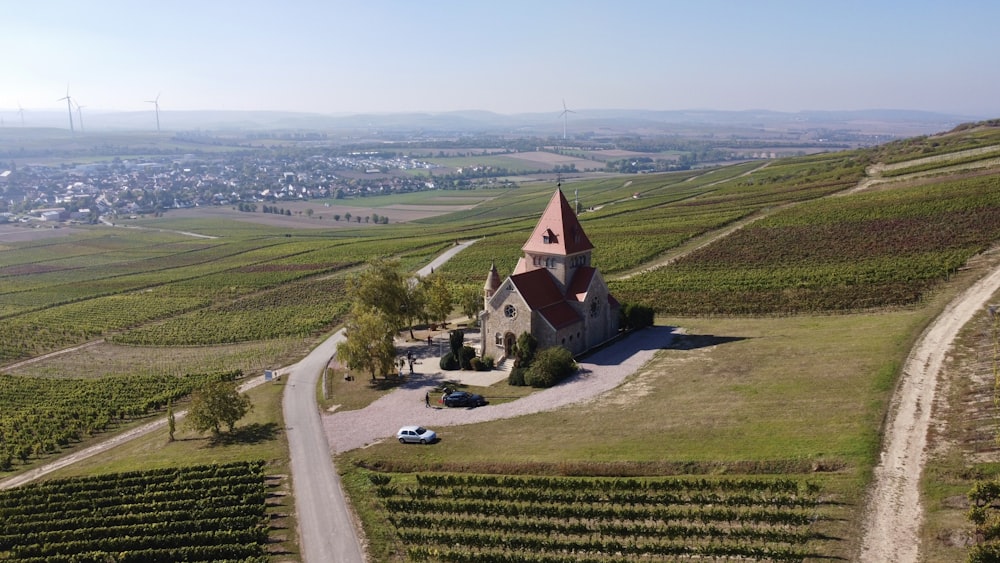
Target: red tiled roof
point(560, 315)
point(541, 293)
point(538, 288)
point(558, 231)
point(580, 283)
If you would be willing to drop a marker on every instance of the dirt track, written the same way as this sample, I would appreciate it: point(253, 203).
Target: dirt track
point(893, 513)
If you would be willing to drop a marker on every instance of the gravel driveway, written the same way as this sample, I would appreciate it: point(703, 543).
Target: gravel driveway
point(599, 373)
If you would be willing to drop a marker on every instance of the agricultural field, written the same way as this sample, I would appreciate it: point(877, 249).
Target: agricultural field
point(789, 336)
point(518, 162)
point(467, 517)
point(212, 513)
point(42, 417)
point(874, 250)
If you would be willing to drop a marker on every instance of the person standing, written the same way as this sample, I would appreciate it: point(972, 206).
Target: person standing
point(427, 399)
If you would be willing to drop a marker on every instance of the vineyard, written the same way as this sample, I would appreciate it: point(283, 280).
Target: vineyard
point(495, 518)
point(43, 416)
point(836, 254)
point(202, 513)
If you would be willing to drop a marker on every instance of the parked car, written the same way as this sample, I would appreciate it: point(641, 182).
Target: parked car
point(416, 435)
point(464, 399)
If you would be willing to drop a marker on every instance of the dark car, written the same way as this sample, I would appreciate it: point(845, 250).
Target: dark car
point(464, 399)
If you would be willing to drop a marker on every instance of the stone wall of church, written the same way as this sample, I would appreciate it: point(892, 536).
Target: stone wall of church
point(496, 323)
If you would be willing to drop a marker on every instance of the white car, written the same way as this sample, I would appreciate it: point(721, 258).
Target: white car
point(416, 435)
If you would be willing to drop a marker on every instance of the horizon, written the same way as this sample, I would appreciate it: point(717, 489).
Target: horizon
point(337, 58)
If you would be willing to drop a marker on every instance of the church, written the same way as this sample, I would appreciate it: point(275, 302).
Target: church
point(554, 293)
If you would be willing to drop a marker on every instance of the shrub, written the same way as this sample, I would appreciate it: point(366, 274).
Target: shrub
point(516, 377)
point(467, 354)
point(449, 362)
point(487, 363)
point(633, 316)
point(525, 351)
point(549, 367)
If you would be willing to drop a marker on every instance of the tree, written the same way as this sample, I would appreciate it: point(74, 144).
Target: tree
point(414, 304)
point(367, 344)
point(216, 403)
point(438, 298)
point(171, 420)
point(382, 286)
point(470, 300)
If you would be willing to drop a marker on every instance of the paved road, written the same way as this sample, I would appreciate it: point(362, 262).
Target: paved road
point(326, 529)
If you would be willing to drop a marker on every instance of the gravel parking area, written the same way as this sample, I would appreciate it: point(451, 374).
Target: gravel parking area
point(599, 373)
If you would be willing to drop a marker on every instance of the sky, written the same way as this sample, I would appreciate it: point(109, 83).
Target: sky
point(510, 56)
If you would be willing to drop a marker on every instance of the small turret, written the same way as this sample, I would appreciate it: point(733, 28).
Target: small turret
point(492, 282)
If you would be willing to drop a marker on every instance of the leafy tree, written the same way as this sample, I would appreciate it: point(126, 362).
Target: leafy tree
point(367, 345)
point(216, 403)
point(470, 299)
point(383, 286)
point(414, 304)
point(438, 298)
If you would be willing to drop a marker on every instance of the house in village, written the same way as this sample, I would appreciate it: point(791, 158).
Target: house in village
point(554, 293)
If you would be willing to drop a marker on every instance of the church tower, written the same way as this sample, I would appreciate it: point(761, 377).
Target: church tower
point(558, 243)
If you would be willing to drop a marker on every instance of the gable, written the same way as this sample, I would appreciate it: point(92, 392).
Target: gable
point(580, 285)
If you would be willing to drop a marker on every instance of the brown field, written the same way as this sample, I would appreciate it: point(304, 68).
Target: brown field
point(322, 217)
point(21, 232)
point(552, 159)
point(614, 154)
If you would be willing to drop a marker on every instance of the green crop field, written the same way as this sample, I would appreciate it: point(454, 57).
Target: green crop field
point(787, 339)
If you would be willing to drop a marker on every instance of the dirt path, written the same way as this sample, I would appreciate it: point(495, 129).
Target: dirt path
point(893, 513)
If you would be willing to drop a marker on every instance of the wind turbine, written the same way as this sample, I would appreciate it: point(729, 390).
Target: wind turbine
point(563, 116)
point(79, 114)
point(156, 105)
point(69, 108)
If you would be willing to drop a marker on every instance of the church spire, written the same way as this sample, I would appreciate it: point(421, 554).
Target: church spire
point(558, 230)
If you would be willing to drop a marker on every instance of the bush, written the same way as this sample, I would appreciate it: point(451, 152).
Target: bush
point(634, 317)
point(549, 367)
point(516, 377)
point(468, 353)
point(449, 362)
point(487, 363)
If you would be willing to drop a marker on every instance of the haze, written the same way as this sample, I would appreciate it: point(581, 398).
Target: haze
point(506, 57)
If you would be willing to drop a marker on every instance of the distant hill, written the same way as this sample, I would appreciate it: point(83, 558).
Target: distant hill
point(581, 123)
